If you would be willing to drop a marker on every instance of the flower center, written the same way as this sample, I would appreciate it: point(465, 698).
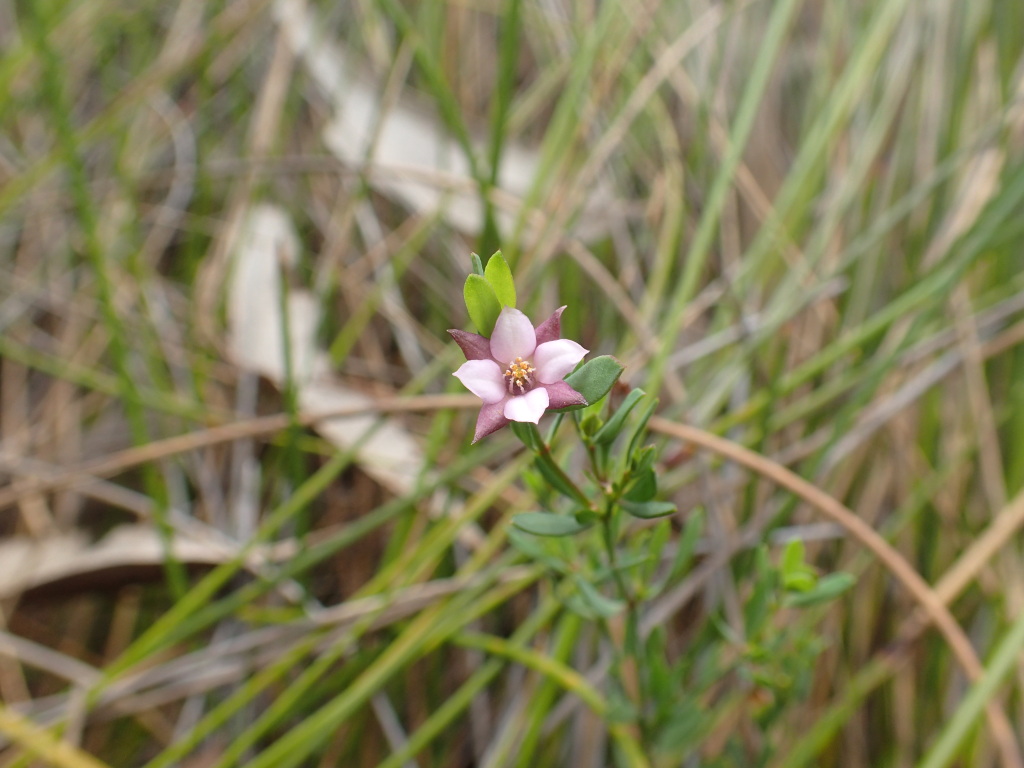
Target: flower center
point(520, 376)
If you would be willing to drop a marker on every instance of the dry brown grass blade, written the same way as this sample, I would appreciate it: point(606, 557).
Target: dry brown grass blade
point(928, 599)
point(106, 466)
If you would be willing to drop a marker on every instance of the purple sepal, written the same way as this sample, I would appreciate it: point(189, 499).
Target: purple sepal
point(474, 346)
point(491, 419)
point(551, 328)
point(561, 395)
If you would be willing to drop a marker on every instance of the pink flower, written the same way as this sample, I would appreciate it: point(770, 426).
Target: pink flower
point(518, 372)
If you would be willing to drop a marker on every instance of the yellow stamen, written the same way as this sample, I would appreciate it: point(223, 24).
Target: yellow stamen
point(519, 375)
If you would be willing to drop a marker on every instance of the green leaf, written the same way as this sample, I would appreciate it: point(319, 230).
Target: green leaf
point(643, 459)
point(548, 524)
point(647, 509)
point(793, 557)
point(799, 581)
point(638, 431)
point(534, 549)
point(758, 606)
point(686, 546)
point(594, 379)
point(597, 602)
point(478, 266)
point(643, 488)
point(547, 467)
point(482, 304)
point(829, 588)
point(499, 276)
point(614, 425)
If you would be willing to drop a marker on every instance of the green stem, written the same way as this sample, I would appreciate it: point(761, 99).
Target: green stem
point(531, 437)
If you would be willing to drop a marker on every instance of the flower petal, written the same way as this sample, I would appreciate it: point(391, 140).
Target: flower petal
point(554, 359)
point(513, 336)
point(528, 407)
point(561, 395)
point(491, 419)
point(474, 346)
point(551, 328)
point(483, 378)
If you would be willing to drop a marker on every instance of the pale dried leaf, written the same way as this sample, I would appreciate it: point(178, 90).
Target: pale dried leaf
point(29, 563)
point(425, 168)
point(268, 240)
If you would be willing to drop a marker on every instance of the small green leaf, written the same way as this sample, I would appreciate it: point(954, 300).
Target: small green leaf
point(759, 604)
point(534, 548)
point(687, 545)
point(799, 581)
point(648, 509)
point(499, 276)
point(590, 424)
point(548, 524)
point(594, 379)
point(643, 459)
point(547, 467)
point(614, 425)
point(793, 557)
point(829, 588)
point(482, 304)
point(638, 432)
point(478, 266)
point(643, 488)
point(597, 602)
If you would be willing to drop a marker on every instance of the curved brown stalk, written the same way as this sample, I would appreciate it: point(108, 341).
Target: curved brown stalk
point(930, 602)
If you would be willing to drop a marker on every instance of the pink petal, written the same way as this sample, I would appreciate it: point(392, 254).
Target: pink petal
point(483, 378)
point(474, 346)
point(554, 359)
point(551, 328)
point(528, 407)
point(513, 336)
point(561, 395)
point(491, 419)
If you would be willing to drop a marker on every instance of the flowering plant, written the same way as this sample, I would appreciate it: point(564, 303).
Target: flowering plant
point(520, 371)
point(535, 362)
point(613, 568)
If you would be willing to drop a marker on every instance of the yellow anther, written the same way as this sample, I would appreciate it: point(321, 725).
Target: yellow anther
point(518, 375)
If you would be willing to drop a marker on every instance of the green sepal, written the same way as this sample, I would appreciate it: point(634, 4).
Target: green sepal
point(594, 379)
point(647, 510)
point(614, 425)
point(548, 524)
point(828, 588)
point(482, 304)
point(499, 275)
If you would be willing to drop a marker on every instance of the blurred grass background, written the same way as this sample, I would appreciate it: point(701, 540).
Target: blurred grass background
point(798, 222)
